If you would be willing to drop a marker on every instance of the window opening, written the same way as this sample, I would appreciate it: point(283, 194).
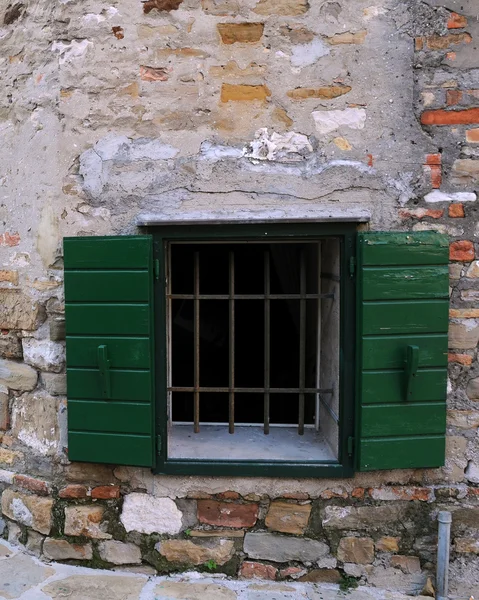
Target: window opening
point(253, 338)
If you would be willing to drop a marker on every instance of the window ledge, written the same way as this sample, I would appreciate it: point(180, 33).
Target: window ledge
point(294, 214)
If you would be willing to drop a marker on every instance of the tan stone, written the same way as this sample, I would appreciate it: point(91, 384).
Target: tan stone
point(8, 457)
point(119, 553)
point(35, 422)
point(62, 550)
point(407, 564)
point(189, 553)
point(287, 517)
point(244, 93)
point(327, 92)
point(86, 521)
point(282, 7)
point(463, 419)
point(17, 376)
point(466, 170)
point(356, 550)
point(467, 545)
point(240, 33)
point(9, 276)
point(193, 591)
point(342, 143)
point(19, 311)
point(463, 335)
point(89, 473)
point(388, 544)
point(428, 589)
point(280, 115)
point(472, 136)
point(348, 38)
point(322, 576)
point(297, 35)
point(472, 389)
point(464, 313)
point(104, 587)
point(473, 270)
point(221, 8)
point(32, 511)
point(233, 71)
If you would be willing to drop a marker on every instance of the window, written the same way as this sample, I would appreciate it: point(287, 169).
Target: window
point(280, 349)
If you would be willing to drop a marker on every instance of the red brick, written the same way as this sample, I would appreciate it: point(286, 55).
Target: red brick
point(472, 136)
point(468, 116)
point(456, 210)
point(460, 359)
point(118, 32)
point(436, 176)
point(9, 239)
point(453, 97)
point(418, 44)
point(442, 42)
point(433, 159)
point(31, 484)
point(227, 514)
point(420, 213)
point(251, 570)
point(462, 251)
point(106, 492)
point(456, 21)
point(328, 494)
point(358, 492)
point(296, 496)
point(228, 495)
point(73, 492)
point(291, 572)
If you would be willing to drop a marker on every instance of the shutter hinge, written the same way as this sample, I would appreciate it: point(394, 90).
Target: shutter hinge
point(352, 266)
point(158, 445)
point(350, 445)
point(156, 267)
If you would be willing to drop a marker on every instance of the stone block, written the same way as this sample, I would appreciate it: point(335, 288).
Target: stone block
point(35, 422)
point(6, 476)
point(31, 484)
point(34, 543)
point(244, 93)
point(287, 517)
point(281, 548)
point(106, 492)
point(472, 472)
point(392, 579)
point(86, 521)
point(291, 8)
point(348, 38)
point(10, 345)
point(79, 472)
point(407, 564)
point(462, 250)
point(119, 553)
point(74, 491)
point(362, 517)
point(44, 354)
point(254, 570)
point(468, 545)
point(54, 383)
point(465, 520)
point(463, 419)
point(227, 514)
point(190, 553)
point(32, 511)
point(4, 409)
point(57, 329)
point(463, 335)
point(63, 550)
point(147, 514)
point(240, 33)
point(17, 376)
point(100, 586)
point(356, 550)
point(402, 493)
point(19, 311)
point(388, 544)
point(322, 576)
point(472, 389)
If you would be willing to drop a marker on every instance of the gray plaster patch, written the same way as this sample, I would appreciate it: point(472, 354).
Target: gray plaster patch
point(96, 587)
point(20, 573)
point(281, 548)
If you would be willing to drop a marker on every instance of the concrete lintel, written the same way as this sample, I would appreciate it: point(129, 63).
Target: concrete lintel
point(286, 215)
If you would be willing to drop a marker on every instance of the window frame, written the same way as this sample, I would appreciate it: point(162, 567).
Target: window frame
point(347, 234)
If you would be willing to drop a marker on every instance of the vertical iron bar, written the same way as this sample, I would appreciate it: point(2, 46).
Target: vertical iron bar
point(267, 348)
point(302, 340)
point(231, 408)
point(196, 408)
point(318, 339)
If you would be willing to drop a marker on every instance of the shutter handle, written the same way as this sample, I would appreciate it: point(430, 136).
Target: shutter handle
point(412, 363)
point(104, 367)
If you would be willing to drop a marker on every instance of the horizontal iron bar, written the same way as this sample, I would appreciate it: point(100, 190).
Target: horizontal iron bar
point(252, 390)
point(248, 296)
point(224, 424)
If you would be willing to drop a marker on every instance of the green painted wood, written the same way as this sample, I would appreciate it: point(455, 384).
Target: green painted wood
point(388, 318)
point(405, 283)
point(111, 252)
point(402, 419)
point(389, 352)
point(123, 352)
point(112, 448)
point(107, 286)
point(109, 326)
point(109, 416)
point(402, 297)
point(107, 319)
point(393, 248)
point(409, 452)
point(125, 385)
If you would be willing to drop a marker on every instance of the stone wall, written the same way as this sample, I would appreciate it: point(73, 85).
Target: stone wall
point(189, 106)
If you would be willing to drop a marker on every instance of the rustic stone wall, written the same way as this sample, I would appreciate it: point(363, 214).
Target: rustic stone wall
point(189, 106)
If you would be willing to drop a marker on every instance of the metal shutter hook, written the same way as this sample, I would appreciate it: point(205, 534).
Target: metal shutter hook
point(104, 367)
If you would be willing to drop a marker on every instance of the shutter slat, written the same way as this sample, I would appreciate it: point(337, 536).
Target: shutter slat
point(109, 326)
point(402, 297)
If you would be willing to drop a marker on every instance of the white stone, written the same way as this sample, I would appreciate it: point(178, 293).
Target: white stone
point(146, 514)
point(472, 472)
point(437, 196)
point(307, 54)
point(6, 476)
point(430, 227)
point(35, 422)
point(353, 570)
point(330, 120)
point(285, 147)
point(68, 52)
point(119, 553)
point(44, 354)
point(327, 562)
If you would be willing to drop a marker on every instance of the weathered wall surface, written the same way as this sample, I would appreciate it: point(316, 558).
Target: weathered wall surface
point(175, 106)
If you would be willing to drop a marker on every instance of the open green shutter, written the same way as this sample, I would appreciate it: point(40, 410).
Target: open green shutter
point(109, 339)
point(402, 342)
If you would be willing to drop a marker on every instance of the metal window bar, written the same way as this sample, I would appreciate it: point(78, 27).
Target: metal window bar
point(197, 389)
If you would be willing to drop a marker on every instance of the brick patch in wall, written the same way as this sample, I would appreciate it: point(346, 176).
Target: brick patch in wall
point(456, 21)
point(227, 514)
point(450, 117)
point(462, 251)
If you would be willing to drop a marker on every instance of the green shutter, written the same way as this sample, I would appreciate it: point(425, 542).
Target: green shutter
point(109, 338)
point(402, 345)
